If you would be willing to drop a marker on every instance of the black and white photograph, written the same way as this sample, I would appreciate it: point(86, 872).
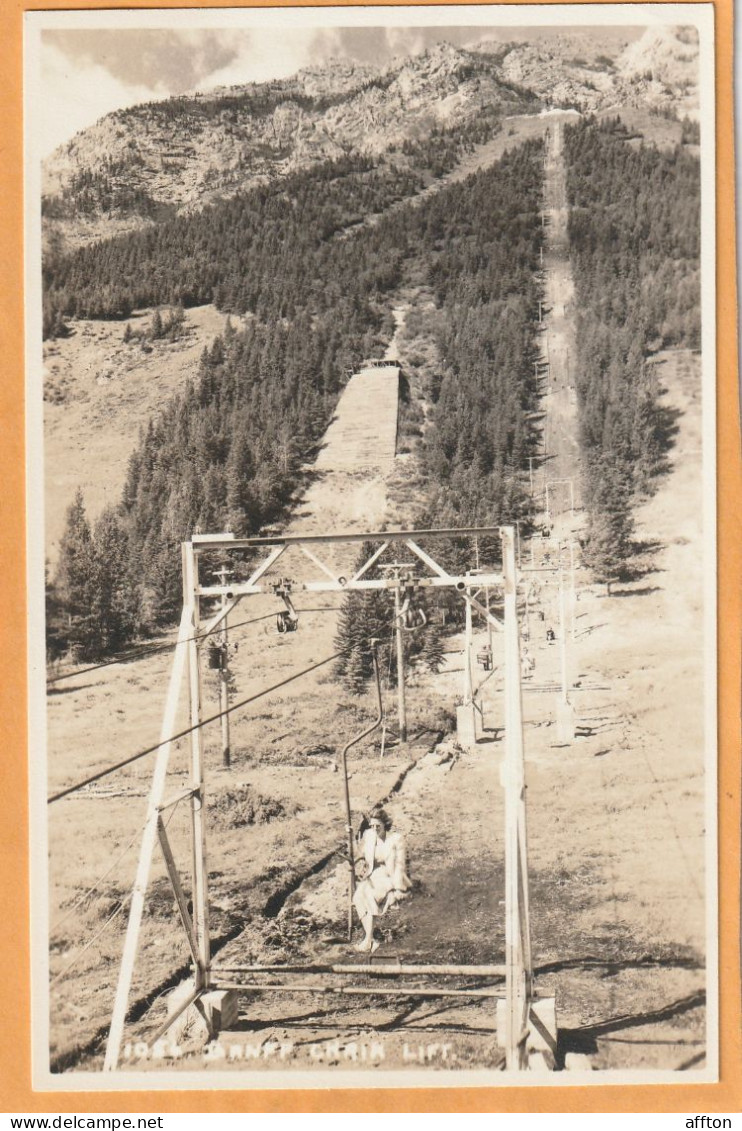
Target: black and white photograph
point(372, 550)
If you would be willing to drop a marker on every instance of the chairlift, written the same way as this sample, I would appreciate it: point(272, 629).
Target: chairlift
point(410, 617)
point(217, 655)
point(287, 620)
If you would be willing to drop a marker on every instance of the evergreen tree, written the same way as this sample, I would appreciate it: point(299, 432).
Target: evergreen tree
point(57, 623)
point(608, 545)
point(156, 328)
point(115, 601)
point(76, 578)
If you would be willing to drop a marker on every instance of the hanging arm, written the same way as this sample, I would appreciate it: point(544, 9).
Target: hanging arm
point(348, 815)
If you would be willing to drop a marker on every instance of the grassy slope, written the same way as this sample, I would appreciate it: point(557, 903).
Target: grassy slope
point(99, 391)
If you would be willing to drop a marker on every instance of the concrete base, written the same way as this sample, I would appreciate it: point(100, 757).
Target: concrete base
point(190, 1023)
point(221, 1008)
point(469, 724)
point(214, 1012)
point(542, 1030)
point(466, 726)
point(577, 1062)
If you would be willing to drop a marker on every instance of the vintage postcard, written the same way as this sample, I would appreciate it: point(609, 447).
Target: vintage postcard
point(371, 391)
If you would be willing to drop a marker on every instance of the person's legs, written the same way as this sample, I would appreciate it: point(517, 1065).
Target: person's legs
point(367, 943)
point(367, 908)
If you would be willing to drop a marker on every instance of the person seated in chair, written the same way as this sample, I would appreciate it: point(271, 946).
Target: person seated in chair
point(384, 868)
point(527, 664)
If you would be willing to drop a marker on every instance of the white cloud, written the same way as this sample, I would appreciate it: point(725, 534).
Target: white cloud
point(265, 54)
point(72, 96)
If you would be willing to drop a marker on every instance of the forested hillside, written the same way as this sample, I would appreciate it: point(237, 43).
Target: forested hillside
point(228, 452)
point(142, 165)
point(634, 233)
point(261, 251)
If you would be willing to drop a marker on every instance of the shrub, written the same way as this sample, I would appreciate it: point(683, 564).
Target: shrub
point(241, 805)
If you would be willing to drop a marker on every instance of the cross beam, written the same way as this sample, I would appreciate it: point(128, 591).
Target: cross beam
point(229, 542)
point(343, 585)
point(518, 968)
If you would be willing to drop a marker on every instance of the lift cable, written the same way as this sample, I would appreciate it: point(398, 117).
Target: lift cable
point(154, 649)
point(189, 730)
point(149, 650)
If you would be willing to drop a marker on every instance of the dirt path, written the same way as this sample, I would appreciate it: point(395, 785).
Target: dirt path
point(560, 466)
point(363, 432)
point(516, 129)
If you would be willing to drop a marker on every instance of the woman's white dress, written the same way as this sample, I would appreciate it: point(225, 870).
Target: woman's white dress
point(387, 864)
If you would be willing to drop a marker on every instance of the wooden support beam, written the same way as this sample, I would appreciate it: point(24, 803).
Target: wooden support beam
point(318, 562)
point(442, 581)
point(372, 968)
point(361, 991)
point(223, 612)
point(229, 542)
point(131, 942)
point(273, 557)
point(518, 982)
point(180, 898)
point(460, 583)
point(367, 565)
point(468, 683)
point(200, 876)
point(182, 795)
point(399, 641)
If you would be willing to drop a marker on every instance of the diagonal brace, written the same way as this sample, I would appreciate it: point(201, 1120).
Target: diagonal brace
point(367, 565)
point(180, 898)
point(433, 564)
point(313, 558)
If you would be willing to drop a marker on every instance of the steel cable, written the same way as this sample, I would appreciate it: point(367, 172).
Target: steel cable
point(155, 649)
point(188, 730)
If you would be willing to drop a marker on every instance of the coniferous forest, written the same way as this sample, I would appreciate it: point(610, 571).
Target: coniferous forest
point(634, 232)
point(227, 451)
point(259, 251)
point(317, 284)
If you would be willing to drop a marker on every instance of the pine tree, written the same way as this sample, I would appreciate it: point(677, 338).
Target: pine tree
point(156, 329)
point(57, 626)
point(75, 579)
point(608, 544)
point(431, 647)
point(115, 599)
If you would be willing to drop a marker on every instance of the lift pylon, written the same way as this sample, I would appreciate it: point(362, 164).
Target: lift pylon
point(521, 1015)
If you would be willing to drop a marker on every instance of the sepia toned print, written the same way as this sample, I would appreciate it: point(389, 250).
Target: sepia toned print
point(378, 462)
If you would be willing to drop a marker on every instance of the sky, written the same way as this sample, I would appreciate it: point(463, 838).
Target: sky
point(86, 73)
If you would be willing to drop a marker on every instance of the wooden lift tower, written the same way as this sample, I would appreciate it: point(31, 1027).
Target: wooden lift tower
point(528, 1021)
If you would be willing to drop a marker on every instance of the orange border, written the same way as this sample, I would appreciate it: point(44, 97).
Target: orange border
point(15, 1039)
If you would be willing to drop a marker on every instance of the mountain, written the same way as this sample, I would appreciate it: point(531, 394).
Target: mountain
point(657, 71)
point(149, 162)
point(662, 66)
point(152, 161)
